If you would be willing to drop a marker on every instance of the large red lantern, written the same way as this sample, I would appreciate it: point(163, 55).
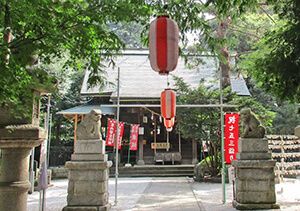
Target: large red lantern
point(169, 123)
point(168, 104)
point(163, 44)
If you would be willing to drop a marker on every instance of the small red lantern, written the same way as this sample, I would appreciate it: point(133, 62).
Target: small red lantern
point(168, 104)
point(163, 44)
point(169, 123)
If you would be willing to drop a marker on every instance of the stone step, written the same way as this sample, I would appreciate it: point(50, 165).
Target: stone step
point(139, 171)
point(155, 175)
point(157, 170)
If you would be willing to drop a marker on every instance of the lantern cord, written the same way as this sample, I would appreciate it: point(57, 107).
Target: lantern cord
point(168, 82)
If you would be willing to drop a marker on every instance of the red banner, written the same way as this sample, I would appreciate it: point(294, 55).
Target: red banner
point(231, 136)
point(111, 133)
point(121, 132)
point(111, 130)
point(134, 136)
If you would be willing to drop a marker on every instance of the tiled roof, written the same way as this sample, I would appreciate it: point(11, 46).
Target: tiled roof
point(86, 108)
point(139, 81)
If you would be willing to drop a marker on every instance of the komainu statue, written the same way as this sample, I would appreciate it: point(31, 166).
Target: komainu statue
point(89, 127)
point(251, 127)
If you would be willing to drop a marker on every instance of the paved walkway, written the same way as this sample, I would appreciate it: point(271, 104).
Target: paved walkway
point(168, 194)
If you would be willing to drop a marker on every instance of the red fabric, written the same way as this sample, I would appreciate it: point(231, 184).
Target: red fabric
point(161, 43)
point(169, 123)
point(231, 136)
point(168, 104)
point(111, 130)
point(121, 132)
point(134, 136)
point(111, 133)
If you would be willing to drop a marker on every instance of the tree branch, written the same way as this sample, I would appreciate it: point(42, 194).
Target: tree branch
point(269, 16)
point(243, 32)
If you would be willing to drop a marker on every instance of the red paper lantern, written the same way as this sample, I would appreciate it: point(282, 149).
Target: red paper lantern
point(169, 123)
point(163, 44)
point(168, 104)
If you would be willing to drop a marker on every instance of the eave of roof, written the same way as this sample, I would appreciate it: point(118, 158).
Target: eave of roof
point(85, 109)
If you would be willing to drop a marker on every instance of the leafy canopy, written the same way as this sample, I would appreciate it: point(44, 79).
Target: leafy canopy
point(53, 29)
point(275, 62)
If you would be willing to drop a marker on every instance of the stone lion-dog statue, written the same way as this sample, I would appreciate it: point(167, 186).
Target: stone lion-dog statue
point(89, 127)
point(251, 126)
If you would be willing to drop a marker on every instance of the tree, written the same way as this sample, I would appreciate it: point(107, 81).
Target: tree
point(203, 124)
point(50, 30)
point(275, 61)
point(287, 118)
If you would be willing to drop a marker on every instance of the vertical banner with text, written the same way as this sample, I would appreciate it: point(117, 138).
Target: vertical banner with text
point(231, 136)
point(111, 130)
point(120, 136)
point(134, 135)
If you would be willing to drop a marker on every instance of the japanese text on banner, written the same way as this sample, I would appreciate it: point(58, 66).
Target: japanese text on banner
point(111, 130)
point(120, 136)
point(134, 134)
point(231, 136)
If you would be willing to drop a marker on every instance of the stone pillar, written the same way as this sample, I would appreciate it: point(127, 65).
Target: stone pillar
point(194, 152)
point(254, 176)
point(88, 168)
point(141, 151)
point(297, 131)
point(16, 143)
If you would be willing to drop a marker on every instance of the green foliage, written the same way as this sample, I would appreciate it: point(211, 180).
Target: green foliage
point(200, 124)
point(275, 63)
point(287, 118)
point(52, 29)
point(265, 115)
point(203, 124)
point(63, 129)
point(195, 122)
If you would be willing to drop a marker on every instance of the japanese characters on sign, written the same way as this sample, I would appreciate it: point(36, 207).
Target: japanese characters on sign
point(160, 145)
point(111, 130)
point(134, 135)
point(111, 133)
point(120, 135)
point(231, 136)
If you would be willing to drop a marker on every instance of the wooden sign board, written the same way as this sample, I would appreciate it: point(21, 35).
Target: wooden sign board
point(160, 145)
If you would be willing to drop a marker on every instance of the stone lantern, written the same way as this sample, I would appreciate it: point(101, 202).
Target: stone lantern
point(17, 138)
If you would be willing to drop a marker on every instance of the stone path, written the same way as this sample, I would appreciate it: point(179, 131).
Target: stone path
point(168, 194)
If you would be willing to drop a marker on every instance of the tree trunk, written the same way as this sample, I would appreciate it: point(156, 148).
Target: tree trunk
point(225, 61)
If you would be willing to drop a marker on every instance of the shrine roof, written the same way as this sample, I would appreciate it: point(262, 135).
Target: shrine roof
point(139, 82)
point(86, 108)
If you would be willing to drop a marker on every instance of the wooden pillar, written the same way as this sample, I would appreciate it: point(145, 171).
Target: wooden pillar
point(141, 144)
point(141, 151)
point(155, 134)
point(168, 141)
point(194, 152)
point(179, 140)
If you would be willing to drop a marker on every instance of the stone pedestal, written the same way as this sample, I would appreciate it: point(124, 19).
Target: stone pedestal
point(297, 131)
point(88, 177)
point(254, 176)
point(16, 143)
